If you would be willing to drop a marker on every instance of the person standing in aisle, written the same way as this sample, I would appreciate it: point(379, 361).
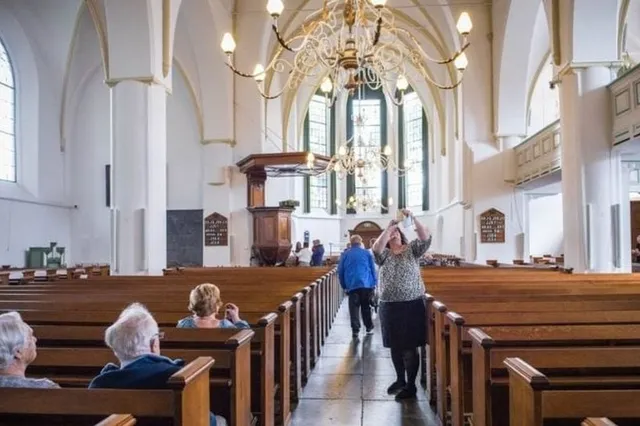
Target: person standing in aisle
point(357, 274)
point(402, 302)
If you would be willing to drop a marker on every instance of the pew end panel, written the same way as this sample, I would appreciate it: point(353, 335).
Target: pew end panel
point(525, 396)
point(192, 401)
point(459, 400)
point(481, 365)
point(429, 373)
point(439, 310)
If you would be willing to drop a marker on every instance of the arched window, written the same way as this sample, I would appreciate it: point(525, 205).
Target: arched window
point(7, 118)
point(544, 104)
point(318, 138)
point(413, 188)
point(367, 129)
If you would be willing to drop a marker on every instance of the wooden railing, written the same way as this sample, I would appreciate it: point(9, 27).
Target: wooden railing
point(539, 155)
point(625, 106)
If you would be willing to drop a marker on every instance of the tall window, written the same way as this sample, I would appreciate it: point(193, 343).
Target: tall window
point(367, 139)
point(544, 104)
point(317, 139)
point(413, 154)
point(370, 135)
point(7, 118)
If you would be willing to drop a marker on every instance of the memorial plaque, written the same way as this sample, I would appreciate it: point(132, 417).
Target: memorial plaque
point(492, 224)
point(216, 230)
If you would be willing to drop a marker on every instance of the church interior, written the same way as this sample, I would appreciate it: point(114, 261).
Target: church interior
point(150, 147)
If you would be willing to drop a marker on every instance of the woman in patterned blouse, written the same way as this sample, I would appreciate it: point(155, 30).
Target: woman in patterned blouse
point(402, 302)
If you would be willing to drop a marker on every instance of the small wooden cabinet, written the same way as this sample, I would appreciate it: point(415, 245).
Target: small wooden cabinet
point(271, 234)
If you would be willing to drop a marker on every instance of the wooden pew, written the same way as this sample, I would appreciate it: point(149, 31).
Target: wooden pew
point(438, 329)
point(533, 397)
point(185, 402)
point(230, 375)
point(329, 297)
point(560, 347)
point(87, 329)
point(459, 353)
point(113, 303)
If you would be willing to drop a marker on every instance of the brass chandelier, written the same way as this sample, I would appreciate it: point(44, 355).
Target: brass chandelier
point(349, 44)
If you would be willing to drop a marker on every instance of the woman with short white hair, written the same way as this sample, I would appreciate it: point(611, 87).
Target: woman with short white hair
point(17, 351)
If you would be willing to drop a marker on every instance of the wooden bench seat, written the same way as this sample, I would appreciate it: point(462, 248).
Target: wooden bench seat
point(608, 351)
point(302, 332)
point(534, 398)
point(80, 350)
point(458, 343)
point(185, 402)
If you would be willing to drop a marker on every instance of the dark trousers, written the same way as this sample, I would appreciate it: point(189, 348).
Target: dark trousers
point(360, 303)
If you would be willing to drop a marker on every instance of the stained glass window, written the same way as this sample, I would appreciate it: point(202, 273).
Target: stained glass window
point(7, 118)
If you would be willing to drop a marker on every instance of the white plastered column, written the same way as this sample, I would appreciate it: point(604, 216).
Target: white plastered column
point(139, 178)
point(588, 169)
point(139, 80)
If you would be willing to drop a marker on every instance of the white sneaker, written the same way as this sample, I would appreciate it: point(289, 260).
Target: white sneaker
point(221, 421)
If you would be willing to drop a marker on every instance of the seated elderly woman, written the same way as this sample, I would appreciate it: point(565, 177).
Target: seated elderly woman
point(135, 340)
point(204, 303)
point(17, 351)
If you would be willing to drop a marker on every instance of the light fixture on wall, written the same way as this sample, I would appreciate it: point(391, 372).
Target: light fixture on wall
point(352, 43)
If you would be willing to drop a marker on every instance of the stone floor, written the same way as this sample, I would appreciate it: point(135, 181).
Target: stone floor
point(348, 386)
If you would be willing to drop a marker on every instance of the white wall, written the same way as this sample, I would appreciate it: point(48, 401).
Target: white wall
point(184, 150)
point(35, 210)
point(545, 230)
point(89, 153)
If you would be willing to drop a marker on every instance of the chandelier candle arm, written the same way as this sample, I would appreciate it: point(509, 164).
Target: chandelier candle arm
point(357, 44)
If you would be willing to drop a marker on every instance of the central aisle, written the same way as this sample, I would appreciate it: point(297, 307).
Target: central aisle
point(348, 386)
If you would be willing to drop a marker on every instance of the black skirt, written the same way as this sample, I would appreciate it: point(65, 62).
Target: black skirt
point(404, 324)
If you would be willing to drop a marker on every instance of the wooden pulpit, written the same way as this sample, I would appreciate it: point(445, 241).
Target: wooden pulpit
point(271, 234)
point(272, 225)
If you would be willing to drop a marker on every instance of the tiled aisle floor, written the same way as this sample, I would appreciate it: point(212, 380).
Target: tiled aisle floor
point(348, 386)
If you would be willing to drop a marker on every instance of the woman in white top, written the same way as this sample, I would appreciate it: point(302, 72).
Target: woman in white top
point(304, 255)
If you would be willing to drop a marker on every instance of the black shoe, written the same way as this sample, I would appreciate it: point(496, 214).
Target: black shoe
point(370, 330)
point(396, 387)
point(408, 392)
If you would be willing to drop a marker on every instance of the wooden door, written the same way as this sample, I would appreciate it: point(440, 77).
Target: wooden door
point(635, 222)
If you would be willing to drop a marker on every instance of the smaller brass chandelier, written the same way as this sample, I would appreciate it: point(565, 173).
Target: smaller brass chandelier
point(365, 203)
point(355, 158)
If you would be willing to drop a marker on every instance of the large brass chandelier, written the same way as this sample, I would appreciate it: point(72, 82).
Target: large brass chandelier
point(348, 44)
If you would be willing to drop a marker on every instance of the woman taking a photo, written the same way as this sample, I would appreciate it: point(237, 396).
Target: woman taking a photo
point(402, 302)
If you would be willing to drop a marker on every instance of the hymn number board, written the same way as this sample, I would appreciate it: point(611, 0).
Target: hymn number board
point(216, 230)
point(492, 224)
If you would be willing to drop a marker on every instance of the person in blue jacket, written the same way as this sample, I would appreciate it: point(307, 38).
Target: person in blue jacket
point(357, 273)
point(317, 258)
point(135, 341)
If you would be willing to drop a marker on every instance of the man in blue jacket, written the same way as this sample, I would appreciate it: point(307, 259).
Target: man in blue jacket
point(135, 341)
point(357, 274)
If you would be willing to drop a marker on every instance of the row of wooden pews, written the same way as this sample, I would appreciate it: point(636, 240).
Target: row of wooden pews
point(529, 345)
point(257, 374)
point(18, 276)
